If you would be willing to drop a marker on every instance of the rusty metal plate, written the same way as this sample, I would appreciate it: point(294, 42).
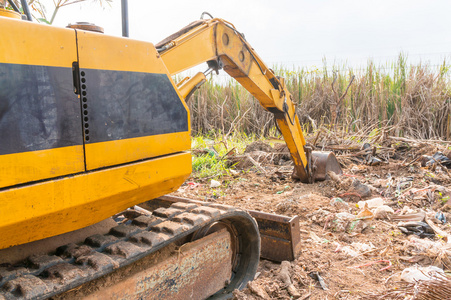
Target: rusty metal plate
point(86, 26)
point(280, 236)
point(194, 271)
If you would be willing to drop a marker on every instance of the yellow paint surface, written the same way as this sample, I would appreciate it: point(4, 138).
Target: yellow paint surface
point(9, 14)
point(110, 153)
point(98, 51)
point(50, 208)
point(24, 167)
point(28, 43)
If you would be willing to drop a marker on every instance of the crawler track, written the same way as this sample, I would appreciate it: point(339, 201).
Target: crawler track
point(72, 265)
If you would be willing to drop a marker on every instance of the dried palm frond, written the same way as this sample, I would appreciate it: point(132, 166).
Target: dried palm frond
point(438, 288)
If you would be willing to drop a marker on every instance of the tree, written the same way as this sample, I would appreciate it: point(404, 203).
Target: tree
point(39, 9)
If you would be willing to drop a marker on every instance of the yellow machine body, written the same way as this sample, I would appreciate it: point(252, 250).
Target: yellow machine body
point(92, 124)
point(9, 14)
point(89, 126)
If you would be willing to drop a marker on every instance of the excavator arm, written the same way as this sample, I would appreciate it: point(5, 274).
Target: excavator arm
point(217, 42)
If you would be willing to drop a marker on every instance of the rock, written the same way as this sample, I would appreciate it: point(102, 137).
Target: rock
point(293, 291)
point(362, 189)
point(258, 290)
point(239, 295)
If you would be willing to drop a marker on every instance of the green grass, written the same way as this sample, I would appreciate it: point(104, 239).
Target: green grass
point(207, 166)
point(213, 164)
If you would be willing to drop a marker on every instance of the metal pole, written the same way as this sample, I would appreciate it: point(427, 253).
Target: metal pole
point(26, 10)
point(124, 7)
point(14, 6)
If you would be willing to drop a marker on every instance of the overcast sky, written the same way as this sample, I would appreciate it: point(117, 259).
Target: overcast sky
point(296, 33)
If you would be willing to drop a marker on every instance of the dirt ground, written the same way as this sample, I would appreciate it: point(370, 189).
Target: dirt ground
point(357, 253)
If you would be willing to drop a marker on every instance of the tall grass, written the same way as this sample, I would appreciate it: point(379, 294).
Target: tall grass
point(413, 100)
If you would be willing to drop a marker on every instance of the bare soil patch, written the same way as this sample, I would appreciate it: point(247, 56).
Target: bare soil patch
point(347, 252)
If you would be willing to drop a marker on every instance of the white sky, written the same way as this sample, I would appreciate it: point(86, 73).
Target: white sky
point(296, 33)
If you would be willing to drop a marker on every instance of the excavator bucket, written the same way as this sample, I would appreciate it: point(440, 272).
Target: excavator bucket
point(322, 162)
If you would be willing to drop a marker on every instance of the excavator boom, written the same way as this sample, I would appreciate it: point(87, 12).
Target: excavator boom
point(220, 44)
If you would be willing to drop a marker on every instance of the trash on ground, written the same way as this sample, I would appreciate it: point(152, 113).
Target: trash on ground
point(214, 183)
point(372, 203)
point(383, 212)
point(438, 157)
point(440, 233)
point(418, 217)
point(339, 203)
point(441, 217)
point(389, 264)
point(365, 213)
point(315, 275)
point(415, 273)
point(355, 249)
point(420, 229)
point(258, 290)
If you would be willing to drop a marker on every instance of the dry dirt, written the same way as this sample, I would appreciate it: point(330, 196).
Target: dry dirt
point(337, 247)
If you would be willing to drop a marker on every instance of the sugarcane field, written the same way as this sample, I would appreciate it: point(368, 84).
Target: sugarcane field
point(379, 230)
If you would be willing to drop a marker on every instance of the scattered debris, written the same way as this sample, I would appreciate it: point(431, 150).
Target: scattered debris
point(340, 204)
point(383, 212)
point(440, 233)
point(316, 276)
point(421, 229)
point(362, 189)
point(284, 275)
point(214, 183)
point(438, 157)
point(413, 217)
point(372, 203)
point(437, 288)
point(415, 273)
point(355, 249)
point(375, 262)
point(258, 290)
point(365, 213)
point(342, 221)
point(360, 230)
point(441, 217)
point(193, 185)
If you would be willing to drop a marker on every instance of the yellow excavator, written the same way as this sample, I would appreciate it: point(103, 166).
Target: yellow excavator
point(92, 125)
